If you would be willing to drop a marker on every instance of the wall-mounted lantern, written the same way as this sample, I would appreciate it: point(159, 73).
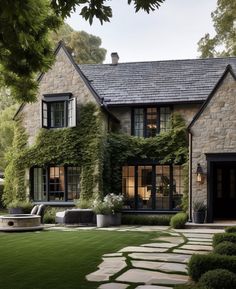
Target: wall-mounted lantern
point(200, 174)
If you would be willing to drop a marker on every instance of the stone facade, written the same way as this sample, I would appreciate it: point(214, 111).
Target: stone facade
point(214, 132)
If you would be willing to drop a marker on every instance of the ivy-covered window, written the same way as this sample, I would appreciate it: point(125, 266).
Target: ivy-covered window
point(150, 121)
point(55, 183)
point(58, 110)
point(152, 187)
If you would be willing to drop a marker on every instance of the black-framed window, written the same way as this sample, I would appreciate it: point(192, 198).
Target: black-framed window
point(152, 187)
point(55, 183)
point(150, 121)
point(58, 110)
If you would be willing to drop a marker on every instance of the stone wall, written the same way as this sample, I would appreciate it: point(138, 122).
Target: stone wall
point(187, 111)
point(214, 132)
point(62, 77)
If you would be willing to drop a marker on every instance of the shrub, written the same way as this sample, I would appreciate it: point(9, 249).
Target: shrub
point(218, 279)
point(50, 215)
point(83, 204)
point(221, 237)
point(231, 229)
point(26, 206)
point(226, 248)
point(178, 221)
point(200, 264)
point(158, 220)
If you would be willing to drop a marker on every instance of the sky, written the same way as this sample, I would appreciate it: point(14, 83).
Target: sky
point(172, 32)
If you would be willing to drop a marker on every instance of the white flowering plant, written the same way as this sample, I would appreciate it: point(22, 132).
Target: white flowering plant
point(111, 204)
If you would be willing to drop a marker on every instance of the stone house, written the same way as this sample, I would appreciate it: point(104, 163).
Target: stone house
point(140, 98)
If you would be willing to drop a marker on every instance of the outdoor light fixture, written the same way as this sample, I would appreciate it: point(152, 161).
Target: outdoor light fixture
point(200, 174)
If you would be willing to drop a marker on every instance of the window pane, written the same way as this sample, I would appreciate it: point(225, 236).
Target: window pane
point(152, 119)
point(57, 114)
point(128, 186)
point(73, 174)
point(56, 183)
point(139, 122)
point(45, 114)
point(162, 187)
point(165, 118)
point(144, 187)
point(39, 184)
point(178, 186)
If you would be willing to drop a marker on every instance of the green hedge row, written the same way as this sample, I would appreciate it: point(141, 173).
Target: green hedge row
point(159, 220)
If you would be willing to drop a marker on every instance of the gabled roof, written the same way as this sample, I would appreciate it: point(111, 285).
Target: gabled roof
point(173, 81)
point(227, 71)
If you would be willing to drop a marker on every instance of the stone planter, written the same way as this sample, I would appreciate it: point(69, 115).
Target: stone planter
point(199, 217)
point(115, 219)
point(103, 220)
point(17, 210)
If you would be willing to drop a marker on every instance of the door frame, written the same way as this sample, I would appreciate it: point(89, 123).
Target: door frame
point(213, 158)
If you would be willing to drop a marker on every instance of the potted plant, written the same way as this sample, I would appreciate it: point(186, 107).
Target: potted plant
point(199, 212)
point(115, 202)
point(19, 207)
point(103, 212)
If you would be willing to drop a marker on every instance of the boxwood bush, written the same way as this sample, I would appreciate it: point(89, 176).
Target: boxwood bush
point(159, 220)
point(222, 237)
point(218, 279)
point(231, 229)
point(200, 264)
point(178, 221)
point(226, 248)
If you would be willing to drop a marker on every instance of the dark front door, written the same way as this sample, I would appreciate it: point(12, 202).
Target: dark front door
point(224, 190)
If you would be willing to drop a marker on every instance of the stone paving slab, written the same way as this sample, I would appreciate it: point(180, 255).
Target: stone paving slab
point(168, 257)
point(200, 236)
point(199, 231)
point(203, 243)
point(151, 277)
point(159, 245)
point(113, 286)
point(189, 252)
point(197, 247)
point(173, 240)
point(142, 249)
point(162, 266)
point(152, 287)
point(113, 255)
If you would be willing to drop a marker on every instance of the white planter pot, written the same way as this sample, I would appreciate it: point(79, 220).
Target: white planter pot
point(103, 220)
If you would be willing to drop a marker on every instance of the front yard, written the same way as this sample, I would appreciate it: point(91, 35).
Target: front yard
point(59, 260)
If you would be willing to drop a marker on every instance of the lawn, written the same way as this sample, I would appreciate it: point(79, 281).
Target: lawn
point(58, 260)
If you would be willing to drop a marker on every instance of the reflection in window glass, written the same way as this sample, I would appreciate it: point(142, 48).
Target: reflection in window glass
point(178, 186)
point(128, 186)
point(56, 183)
point(151, 122)
point(162, 187)
point(57, 114)
point(165, 118)
point(139, 122)
point(144, 187)
point(40, 184)
point(73, 174)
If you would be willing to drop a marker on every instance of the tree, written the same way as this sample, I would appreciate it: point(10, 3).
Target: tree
point(85, 47)
point(224, 42)
point(24, 27)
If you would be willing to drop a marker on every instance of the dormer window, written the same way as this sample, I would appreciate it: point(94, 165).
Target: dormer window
point(150, 121)
point(58, 110)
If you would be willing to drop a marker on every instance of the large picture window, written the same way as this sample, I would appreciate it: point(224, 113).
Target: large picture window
point(55, 183)
point(150, 121)
point(58, 110)
point(152, 187)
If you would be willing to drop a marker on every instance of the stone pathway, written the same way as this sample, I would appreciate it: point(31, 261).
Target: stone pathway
point(160, 264)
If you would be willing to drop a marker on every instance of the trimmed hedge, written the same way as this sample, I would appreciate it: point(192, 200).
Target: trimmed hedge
point(178, 221)
point(226, 248)
point(218, 279)
point(231, 229)
point(159, 220)
point(222, 237)
point(200, 264)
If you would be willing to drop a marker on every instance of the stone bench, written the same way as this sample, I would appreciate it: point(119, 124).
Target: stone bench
point(76, 217)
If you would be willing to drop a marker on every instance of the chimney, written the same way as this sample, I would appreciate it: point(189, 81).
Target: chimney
point(114, 58)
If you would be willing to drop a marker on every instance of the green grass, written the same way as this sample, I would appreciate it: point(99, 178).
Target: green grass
point(59, 260)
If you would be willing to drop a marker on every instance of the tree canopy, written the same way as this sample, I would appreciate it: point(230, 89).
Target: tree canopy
point(224, 42)
point(25, 49)
point(84, 47)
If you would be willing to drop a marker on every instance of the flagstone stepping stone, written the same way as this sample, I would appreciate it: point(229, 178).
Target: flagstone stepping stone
point(162, 266)
point(166, 257)
point(199, 240)
point(113, 255)
point(151, 277)
point(200, 236)
point(173, 240)
point(197, 247)
point(113, 286)
point(142, 249)
point(152, 287)
point(107, 268)
point(189, 252)
point(199, 243)
point(159, 245)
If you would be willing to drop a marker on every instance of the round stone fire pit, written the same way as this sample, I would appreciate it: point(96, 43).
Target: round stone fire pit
point(20, 222)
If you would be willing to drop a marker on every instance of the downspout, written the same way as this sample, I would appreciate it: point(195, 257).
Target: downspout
point(190, 178)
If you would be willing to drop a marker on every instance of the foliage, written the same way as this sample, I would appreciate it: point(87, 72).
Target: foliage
point(84, 47)
point(178, 221)
point(6, 99)
point(185, 199)
point(83, 203)
point(167, 147)
point(110, 204)
point(26, 206)
point(221, 237)
point(157, 220)
point(200, 264)
point(218, 279)
point(224, 42)
point(231, 229)
point(199, 207)
point(50, 215)
point(226, 248)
